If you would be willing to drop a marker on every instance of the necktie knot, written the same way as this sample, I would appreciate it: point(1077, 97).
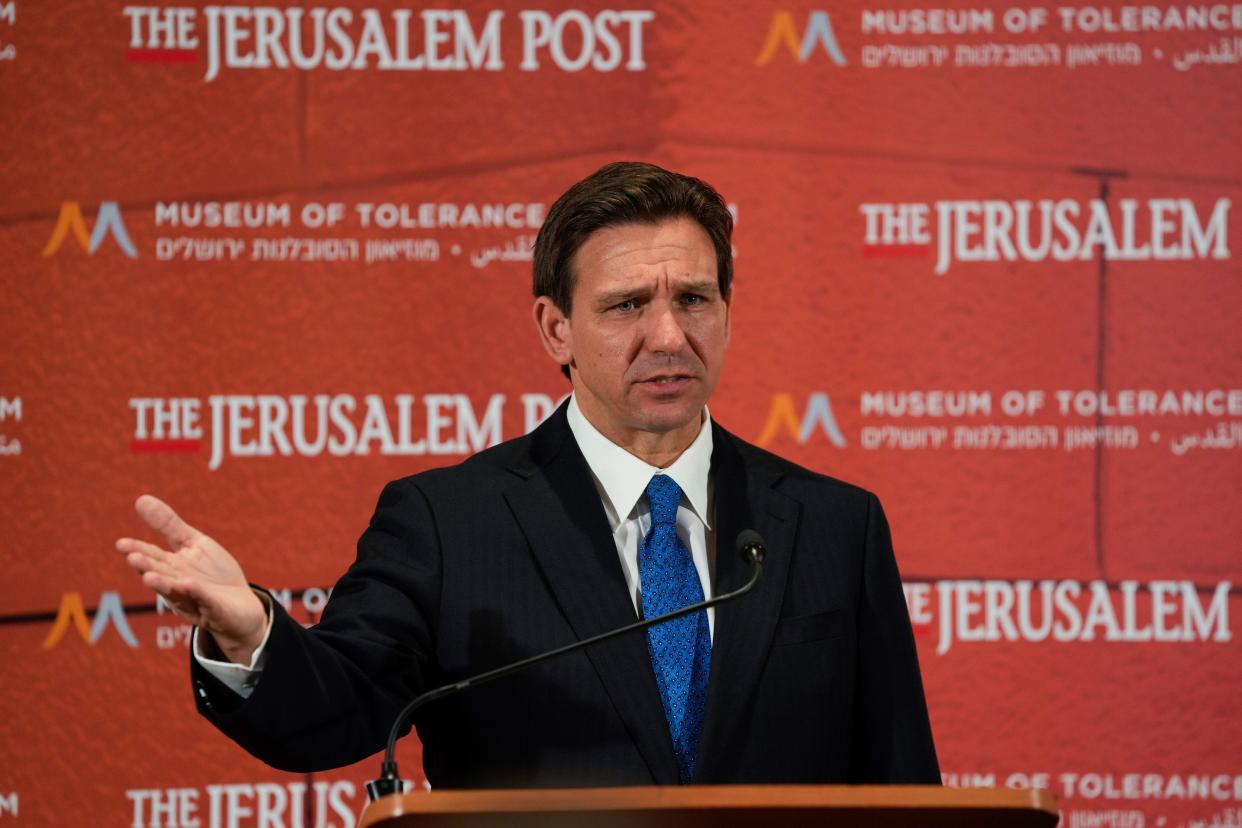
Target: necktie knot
point(664, 495)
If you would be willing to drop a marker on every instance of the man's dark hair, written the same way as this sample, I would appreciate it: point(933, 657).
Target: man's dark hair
point(625, 192)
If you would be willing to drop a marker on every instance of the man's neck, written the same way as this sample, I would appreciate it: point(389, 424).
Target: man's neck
point(659, 449)
point(659, 454)
point(622, 476)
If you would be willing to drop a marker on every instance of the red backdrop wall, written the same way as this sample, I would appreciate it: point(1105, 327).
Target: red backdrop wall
point(985, 267)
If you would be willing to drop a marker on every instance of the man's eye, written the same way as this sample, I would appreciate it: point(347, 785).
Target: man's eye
point(626, 306)
point(692, 299)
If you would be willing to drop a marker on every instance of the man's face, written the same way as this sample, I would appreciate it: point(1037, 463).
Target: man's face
point(646, 336)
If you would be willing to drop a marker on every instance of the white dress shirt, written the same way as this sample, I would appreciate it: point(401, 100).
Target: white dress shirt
point(621, 480)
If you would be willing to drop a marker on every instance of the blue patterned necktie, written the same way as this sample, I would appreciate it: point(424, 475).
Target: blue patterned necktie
point(681, 650)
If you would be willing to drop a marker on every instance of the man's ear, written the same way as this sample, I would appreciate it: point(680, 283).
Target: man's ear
point(554, 330)
point(728, 303)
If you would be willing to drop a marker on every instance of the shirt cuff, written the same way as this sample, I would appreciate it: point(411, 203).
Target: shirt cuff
point(240, 678)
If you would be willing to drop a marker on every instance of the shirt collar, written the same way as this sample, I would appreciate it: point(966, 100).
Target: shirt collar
point(622, 478)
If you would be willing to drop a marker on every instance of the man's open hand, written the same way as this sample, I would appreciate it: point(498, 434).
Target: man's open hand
point(199, 579)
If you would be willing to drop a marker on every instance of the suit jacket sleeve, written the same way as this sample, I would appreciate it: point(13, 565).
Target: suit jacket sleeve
point(893, 740)
point(329, 695)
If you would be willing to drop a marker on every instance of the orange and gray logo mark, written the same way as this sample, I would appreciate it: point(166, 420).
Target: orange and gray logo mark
point(818, 416)
point(73, 613)
point(818, 32)
point(108, 221)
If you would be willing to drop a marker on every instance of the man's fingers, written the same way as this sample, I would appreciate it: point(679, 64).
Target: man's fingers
point(142, 556)
point(141, 563)
point(130, 545)
point(161, 583)
point(161, 517)
point(174, 590)
point(190, 589)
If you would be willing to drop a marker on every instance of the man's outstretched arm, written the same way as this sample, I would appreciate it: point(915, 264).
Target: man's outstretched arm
point(201, 581)
point(327, 695)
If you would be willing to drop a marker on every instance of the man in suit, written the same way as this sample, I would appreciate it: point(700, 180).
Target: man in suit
point(625, 503)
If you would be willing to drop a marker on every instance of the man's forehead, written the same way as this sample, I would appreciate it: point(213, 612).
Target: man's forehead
point(681, 242)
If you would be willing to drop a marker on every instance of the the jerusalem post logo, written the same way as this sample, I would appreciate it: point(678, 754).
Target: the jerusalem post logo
point(107, 221)
point(783, 32)
point(72, 612)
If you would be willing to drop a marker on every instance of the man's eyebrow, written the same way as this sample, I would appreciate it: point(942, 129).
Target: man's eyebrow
point(612, 297)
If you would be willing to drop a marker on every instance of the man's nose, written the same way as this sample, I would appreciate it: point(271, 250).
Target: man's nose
point(665, 334)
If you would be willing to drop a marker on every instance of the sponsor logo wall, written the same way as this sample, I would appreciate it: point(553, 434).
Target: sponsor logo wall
point(263, 259)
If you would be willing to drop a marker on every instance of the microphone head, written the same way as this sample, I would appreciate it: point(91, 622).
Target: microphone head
point(750, 546)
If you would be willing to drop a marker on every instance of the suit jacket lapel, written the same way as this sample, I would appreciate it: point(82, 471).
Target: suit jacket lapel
point(561, 515)
point(745, 499)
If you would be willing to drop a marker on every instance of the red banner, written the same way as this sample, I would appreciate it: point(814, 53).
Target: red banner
point(263, 259)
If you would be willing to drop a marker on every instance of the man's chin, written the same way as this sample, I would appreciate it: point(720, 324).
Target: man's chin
point(670, 415)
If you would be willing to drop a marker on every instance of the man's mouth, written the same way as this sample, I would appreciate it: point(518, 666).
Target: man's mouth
point(666, 385)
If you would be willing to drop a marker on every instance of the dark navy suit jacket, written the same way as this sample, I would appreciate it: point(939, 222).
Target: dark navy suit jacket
point(814, 674)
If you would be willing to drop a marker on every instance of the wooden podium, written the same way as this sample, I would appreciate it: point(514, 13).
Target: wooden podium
point(718, 806)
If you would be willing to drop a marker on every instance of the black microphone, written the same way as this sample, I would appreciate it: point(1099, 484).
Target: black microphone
point(749, 545)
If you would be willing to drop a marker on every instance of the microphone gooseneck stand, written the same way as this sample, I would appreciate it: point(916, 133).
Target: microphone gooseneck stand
point(749, 545)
